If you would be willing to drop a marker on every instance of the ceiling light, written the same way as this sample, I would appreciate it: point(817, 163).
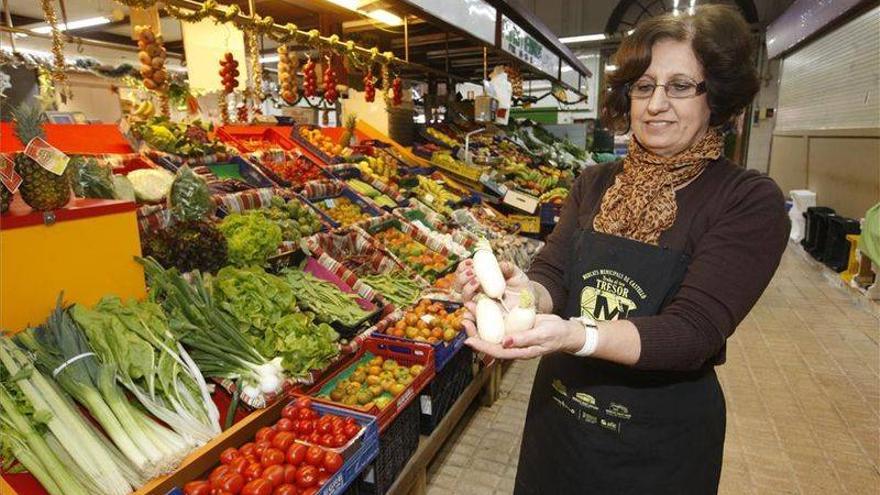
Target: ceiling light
point(630, 32)
point(383, 15)
point(82, 23)
point(691, 7)
point(268, 59)
point(610, 68)
point(348, 4)
point(589, 55)
point(582, 38)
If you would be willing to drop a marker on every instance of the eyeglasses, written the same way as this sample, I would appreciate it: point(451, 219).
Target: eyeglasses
point(674, 89)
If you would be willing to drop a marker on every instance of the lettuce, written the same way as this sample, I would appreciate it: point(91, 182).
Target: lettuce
point(251, 239)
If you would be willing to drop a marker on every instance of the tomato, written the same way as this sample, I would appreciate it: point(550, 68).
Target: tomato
point(265, 433)
point(305, 413)
point(289, 411)
point(272, 457)
point(351, 430)
point(339, 440)
point(247, 449)
point(304, 402)
point(221, 492)
point(200, 487)
point(306, 426)
point(261, 447)
point(315, 456)
point(239, 464)
point(309, 491)
point(296, 454)
point(218, 473)
point(275, 474)
point(289, 473)
point(283, 440)
point(348, 420)
point(306, 476)
point(284, 424)
point(337, 428)
point(257, 487)
point(324, 427)
point(252, 458)
point(228, 455)
point(327, 440)
point(332, 462)
point(285, 489)
point(322, 478)
point(315, 438)
point(253, 471)
point(232, 482)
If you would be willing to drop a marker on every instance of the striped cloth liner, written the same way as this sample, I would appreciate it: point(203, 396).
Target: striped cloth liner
point(177, 160)
point(461, 236)
point(370, 224)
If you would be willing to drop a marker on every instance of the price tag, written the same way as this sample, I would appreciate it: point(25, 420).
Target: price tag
point(330, 203)
point(8, 176)
point(429, 198)
point(527, 223)
point(426, 404)
point(49, 157)
point(521, 201)
point(492, 185)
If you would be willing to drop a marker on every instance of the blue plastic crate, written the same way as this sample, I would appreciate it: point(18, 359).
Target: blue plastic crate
point(443, 352)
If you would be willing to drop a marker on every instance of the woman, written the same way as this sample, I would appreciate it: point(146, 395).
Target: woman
point(654, 262)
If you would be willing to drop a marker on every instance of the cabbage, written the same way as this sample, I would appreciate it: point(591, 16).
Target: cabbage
point(151, 184)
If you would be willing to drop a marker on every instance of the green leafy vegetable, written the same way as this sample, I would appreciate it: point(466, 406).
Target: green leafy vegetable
point(251, 239)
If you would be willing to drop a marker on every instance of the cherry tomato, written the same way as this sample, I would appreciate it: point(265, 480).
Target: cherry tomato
point(289, 473)
point(257, 487)
point(348, 420)
point(327, 440)
point(239, 464)
point(305, 413)
point(247, 449)
point(275, 474)
point(322, 478)
point(315, 456)
point(339, 440)
point(253, 471)
point(351, 430)
point(336, 420)
point(304, 402)
point(284, 424)
point(306, 476)
point(261, 447)
point(325, 427)
point(228, 455)
point(218, 473)
point(289, 411)
point(200, 487)
point(265, 433)
point(296, 454)
point(337, 428)
point(285, 489)
point(272, 457)
point(332, 462)
point(232, 482)
point(306, 426)
point(283, 440)
point(315, 438)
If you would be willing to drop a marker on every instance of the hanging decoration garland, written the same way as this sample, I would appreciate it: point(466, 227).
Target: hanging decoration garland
point(152, 55)
point(330, 93)
point(256, 72)
point(369, 85)
point(229, 75)
point(288, 62)
point(310, 79)
point(58, 75)
point(396, 91)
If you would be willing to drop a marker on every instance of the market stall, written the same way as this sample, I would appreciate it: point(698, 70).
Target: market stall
point(210, 299)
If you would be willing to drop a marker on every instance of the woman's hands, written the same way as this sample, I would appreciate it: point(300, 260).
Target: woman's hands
point(468, 286)
point(550, 334)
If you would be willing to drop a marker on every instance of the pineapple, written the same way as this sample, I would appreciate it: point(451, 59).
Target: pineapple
point(5, 199)
point(348, 135)
point(40, 189)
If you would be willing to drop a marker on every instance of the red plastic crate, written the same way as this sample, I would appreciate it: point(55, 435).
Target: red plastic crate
point(243, 137)
point(407, 353)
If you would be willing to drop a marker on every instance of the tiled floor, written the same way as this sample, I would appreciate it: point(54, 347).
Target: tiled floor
point(803, 398)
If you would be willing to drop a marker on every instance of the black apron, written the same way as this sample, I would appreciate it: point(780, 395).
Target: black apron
point(597, 427)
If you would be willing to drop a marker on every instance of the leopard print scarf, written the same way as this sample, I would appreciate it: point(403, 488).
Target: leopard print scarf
point(640, 205)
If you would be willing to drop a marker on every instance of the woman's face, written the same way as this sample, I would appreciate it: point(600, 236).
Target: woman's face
point(664, 125)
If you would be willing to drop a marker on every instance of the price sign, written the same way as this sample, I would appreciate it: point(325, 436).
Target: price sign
point(8, 176)
point(47, 156)
point(493, 185)
point(521, 201)
point(460, 169)
point(529, 224)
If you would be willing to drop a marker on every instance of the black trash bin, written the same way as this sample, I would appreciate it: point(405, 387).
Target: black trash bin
point(836, 255)
point(811, 217)
point(820, 230)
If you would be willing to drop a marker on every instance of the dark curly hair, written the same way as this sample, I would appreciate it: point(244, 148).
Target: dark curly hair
point(721, 41)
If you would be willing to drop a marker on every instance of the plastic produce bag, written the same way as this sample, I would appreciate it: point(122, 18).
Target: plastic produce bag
point(189, 198)
point(869, 243)
point(91, 180)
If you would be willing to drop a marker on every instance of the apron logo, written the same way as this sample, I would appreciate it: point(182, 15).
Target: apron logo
point(609, 295)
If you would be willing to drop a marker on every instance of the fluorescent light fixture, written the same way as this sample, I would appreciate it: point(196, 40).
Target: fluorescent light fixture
point(630, 32)
point(582, 38)
point(383, 15)
point(610, 68)
point(691, 7)
point(589, 55)
point(268, 59)
point(82, 23)
point(348, 4)
point(674, 7)
point(567, 69)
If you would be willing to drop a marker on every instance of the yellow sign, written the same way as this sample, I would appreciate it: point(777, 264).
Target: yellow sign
point(527, 223)
point(460, 169)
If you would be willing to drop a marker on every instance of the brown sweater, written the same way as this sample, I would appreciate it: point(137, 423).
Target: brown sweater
point(731, 222)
